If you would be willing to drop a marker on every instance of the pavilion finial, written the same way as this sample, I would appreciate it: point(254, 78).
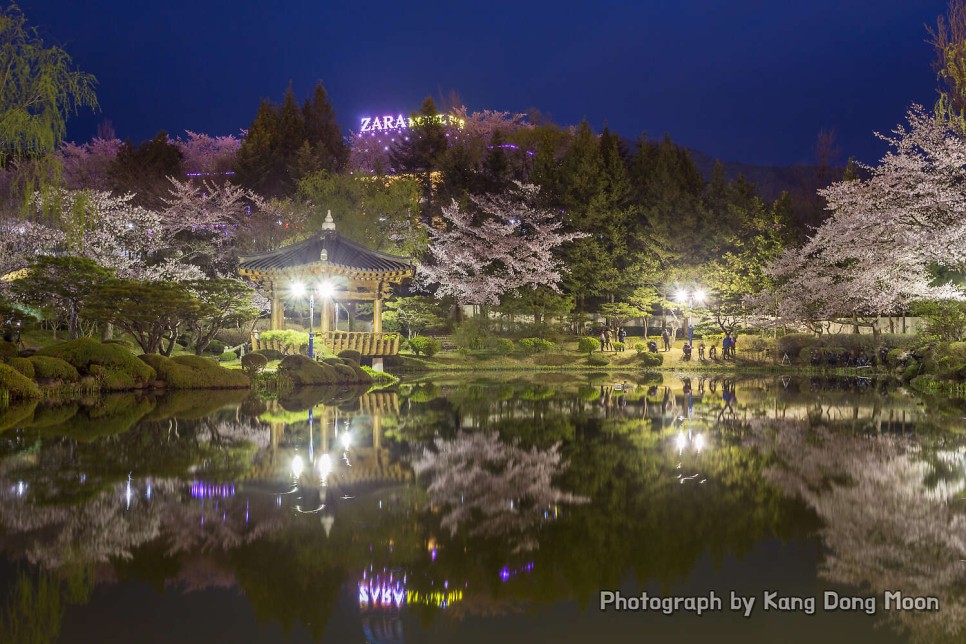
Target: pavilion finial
point(329, 223)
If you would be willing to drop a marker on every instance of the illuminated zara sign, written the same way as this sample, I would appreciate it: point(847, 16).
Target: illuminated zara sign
point(400, 122)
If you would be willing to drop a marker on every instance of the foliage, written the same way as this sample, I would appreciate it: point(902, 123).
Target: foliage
point(223, 302)
point(17, 385)
point(227, 356)
point(508, 244)
point(111, 364)
point(537, 345)
point(252, 363)
point(502, 346)
point(421, 345)
point(51, 368)
point(945, 319)
point(588, 345)
point(887, 236)
point(413, 315)
point(40, 89)
point(194, 372)
point(23, 365)
point(380, 212)
point(151, 312)
point(474, 333)
point(640, 347)
point(145, 170)
point(648, 359)
point(287, 142)
point(61, 283)
point(287, 338)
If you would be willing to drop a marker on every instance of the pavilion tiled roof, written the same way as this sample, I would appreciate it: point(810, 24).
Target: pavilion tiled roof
point(339, 251)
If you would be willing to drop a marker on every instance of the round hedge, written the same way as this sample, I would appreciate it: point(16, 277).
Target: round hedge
point(17, 384)
point(50, 368)
point(351, 354)
point(254, 362)
point(227, 356)
point(22, 365)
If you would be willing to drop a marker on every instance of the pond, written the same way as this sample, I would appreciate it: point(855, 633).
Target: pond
point(469, 510)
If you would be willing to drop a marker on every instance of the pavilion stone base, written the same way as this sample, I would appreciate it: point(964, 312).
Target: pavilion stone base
point(377, 364)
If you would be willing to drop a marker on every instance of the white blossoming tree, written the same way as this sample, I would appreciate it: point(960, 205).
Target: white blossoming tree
point(506, 243)
point(886, 237)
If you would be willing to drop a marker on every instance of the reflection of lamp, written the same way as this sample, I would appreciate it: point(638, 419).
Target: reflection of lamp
point(297, 466)
point(346, 439)
point(325, 468)
point(327, 521)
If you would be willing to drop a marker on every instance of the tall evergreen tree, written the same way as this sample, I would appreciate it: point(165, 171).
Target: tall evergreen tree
point(145, 170)
point(287, 142)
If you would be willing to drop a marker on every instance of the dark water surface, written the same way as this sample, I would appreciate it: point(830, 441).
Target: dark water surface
point(458, 510)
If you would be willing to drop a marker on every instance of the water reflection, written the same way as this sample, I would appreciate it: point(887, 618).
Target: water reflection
point(451, 498)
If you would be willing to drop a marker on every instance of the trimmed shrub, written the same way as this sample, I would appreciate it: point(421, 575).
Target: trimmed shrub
point(215, 346)
point(537, 345)
point(17, 384)
point(640, 347)
point(227, 356)
point(49, 368)
point(351, 354)
point(194, 372)
point(345, 373)
point(290, 339)
point(26, 353)
point(22, 365)
point(113, 365)
point(502, 346)
point(252, 363)
point(588, 345)
point(947, 360)
point(302, 370)
point(421, 345)
point(649, 359)
point(597, 361)
point(8, 350)
point(618, 346)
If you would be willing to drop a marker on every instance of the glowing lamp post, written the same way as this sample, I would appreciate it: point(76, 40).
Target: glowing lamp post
point(325, 290)
point(689, 298)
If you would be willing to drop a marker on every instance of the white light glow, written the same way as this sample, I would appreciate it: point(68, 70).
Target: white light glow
point(298, 289)
point(682, 296)
point(326, 289)
point(346, 440)
point(699, 442)
point(682, 441)
point(325, 467)
point(297, 466)
point(700, 295)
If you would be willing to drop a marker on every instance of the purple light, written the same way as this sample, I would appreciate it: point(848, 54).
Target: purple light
point(208, 174)
point(202, 490)
point(506, 572)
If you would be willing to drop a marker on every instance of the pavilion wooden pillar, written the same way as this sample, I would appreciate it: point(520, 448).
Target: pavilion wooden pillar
point(278, 311)
point(377, 315)
point(326, 321)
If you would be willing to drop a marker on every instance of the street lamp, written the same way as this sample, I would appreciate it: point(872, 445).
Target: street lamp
point(689, 298)
point(325, 290)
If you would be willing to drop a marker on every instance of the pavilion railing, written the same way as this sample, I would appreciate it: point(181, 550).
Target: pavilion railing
point(367, 344)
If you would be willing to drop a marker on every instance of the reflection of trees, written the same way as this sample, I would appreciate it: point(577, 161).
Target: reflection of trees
point(492, 488)
point(889, 523)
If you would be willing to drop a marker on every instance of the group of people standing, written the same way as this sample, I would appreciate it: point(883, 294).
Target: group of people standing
point(608, 336)
point(728, 345)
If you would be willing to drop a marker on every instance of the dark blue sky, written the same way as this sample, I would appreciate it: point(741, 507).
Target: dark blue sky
point(741, 80)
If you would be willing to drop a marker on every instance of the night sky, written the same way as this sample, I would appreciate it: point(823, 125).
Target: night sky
point(750, 81)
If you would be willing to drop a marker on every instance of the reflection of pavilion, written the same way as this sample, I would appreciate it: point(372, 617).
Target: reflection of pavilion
point(354, 273)
point(350, 435)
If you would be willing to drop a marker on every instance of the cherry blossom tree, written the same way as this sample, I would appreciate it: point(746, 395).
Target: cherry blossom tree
point(506, 244)
point(87, 165)
point(886, 235)
point(206, 155)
